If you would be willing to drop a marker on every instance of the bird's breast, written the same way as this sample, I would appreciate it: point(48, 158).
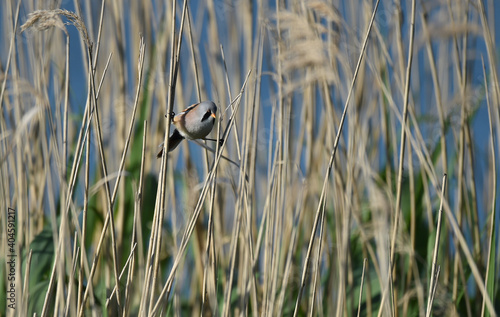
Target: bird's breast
point(194, 130)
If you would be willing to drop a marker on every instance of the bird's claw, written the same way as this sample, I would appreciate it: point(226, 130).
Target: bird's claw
point(172, 115)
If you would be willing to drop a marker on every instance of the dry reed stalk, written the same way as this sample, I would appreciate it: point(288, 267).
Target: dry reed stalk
point(174, 67)
point(492, 232)
point(434, 269)
point(403, 138)
point(332, 157)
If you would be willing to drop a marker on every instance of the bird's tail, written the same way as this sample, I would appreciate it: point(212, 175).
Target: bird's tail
point(173, 142)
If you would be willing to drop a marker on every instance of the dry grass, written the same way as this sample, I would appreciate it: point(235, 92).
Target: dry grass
point(328, 196)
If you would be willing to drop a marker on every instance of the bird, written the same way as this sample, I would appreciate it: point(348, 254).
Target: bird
point(195, 122)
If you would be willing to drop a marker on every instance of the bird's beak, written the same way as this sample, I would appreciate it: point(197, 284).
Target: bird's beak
point(213, 115)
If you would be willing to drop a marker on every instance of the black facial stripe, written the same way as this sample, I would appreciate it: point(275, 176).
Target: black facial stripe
point(206, 116)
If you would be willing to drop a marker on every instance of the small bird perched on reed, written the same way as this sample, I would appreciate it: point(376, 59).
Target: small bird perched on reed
point(195, 122)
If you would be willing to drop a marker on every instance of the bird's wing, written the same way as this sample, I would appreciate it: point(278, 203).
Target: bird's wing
point(180, 115)
point(189, 108)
